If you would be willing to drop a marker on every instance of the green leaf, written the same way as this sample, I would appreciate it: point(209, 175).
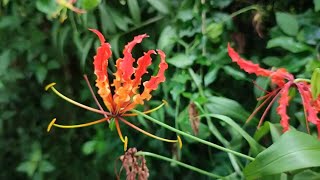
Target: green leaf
point(28, 167)
point(89, 147)
point(274, 129)
point(134, 10)
point(227, 107)
point(181, 60)
point(107, 23)
point(118, 18)
point(255, 147)
point(294, 150)
point(41, 74)
point(167, 39)
point(162, 6)
point(287, 23)
point(315, 85)
point(288, 43)
point(5, 59)
point(85, 50)
point(307, 174)
point(45, 166)
point(316, 5)
point(214, 31)
point(239, 75)
point(90, 4)
point(46, 6)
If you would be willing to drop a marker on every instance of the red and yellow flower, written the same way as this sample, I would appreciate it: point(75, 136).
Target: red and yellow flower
point(283, 81)
point(122, 94)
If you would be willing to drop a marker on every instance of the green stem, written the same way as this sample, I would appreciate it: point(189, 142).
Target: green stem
point(243, 10)
point(147, 22)
point(142, 153)
point(302, 80)
point(193, 137)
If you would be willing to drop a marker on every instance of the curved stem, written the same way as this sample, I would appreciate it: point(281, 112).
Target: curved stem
point(193, 137)
point(243, 10)
point(142, 153)
point(50, 86)
point(302, 80)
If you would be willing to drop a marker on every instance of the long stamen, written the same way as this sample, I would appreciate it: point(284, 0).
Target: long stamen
point(178, 140)
point(52, 123)
point(93, 95)
point(267, 109)
point(125, 139)
point(258, 108)
point(50, 86)
point(149, 111)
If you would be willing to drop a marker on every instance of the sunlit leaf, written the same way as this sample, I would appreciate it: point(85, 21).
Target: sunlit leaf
point(294, 150)
point(288, 43)
point(288, 23)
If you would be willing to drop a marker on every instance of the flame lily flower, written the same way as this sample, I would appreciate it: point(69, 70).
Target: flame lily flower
point(283, 81)
point(122, 94)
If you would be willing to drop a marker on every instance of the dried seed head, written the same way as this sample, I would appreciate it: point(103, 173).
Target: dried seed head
point(194, 118)
point(135, 166)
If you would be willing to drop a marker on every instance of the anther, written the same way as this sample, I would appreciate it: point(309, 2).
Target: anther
point(51, 124)
point(49, 86)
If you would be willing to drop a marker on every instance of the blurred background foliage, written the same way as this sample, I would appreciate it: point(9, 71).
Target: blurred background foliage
point(43, 42)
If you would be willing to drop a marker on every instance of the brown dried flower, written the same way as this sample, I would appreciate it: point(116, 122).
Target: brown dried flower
point(135, 166)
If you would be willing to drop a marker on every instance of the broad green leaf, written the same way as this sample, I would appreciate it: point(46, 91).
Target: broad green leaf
point(90, 4)
point(239, 75)
point(167, 39)
point(85, 50)
point(315, 83)
point(294, 150)
point(214, 30)
point(89, 147)
point(211, 76)
point(181, 60)
point(45, 166)
point(307, 174)
point(272, 61)
point(288, 43)
point(5, 60)
point(162, 6)
point(118, 18)
point(134, 10)
point(107, 23)
point(316, 5)
point(288, 23)
point(274, 129)
point(28, 167)
point(255, 147)
point(227, 107)
point(41, 74)
point(46, 6)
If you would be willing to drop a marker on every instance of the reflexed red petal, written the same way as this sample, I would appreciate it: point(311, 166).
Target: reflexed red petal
point(280, 76)
point(98, 33)
point(127, 64)
point(143, 63)
point(100, 69)
point(154, 81)
point(311, 112)
point(282, 108)
point(246, 65)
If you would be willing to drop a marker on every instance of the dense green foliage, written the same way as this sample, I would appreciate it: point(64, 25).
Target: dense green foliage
point(37, 49)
